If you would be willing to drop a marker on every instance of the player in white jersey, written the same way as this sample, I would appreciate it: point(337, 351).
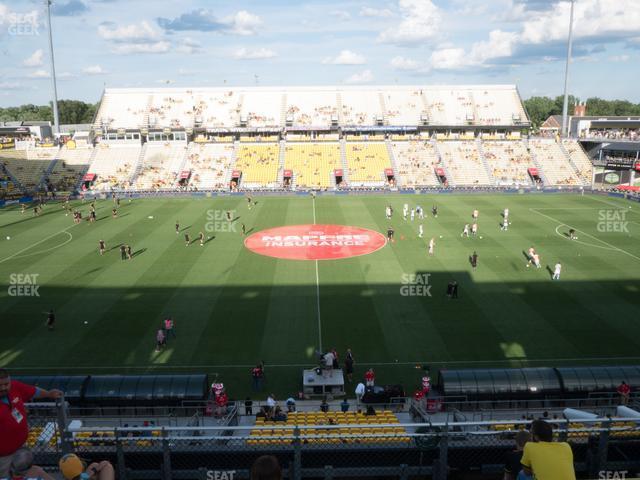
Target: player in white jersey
point(536, 260)
point(388, 211)
point(474, 229)
point(475, 214)
point(405, 210)
point(505, 214)
point(420, 231)
point(465, 232)
point(432, 245)
point(556, 271)
point(420, 212)
point(413, 214)
point(531, 252)
point(505, 224)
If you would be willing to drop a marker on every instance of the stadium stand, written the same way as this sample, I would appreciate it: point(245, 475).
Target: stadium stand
point(113, 166)
point(498, 107)
point(360, 107)
point(462, 159)
point(259, 165)
point(415, 163)
point(367, 162)
point(160, 166)
point(312, 163)
point(262, 108)
point(217, 109)
point(27, 166)
point(508, 162)
point(403, 107)
point(553, 162)
point(123, 109)
point(304, 109)
point(71, 165)
point(450, 107)
point(579, 159)
point(174, 110)
point(208, 164)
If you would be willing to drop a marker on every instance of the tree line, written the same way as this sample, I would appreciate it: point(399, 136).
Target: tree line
point(71, 112)
point(540, 108)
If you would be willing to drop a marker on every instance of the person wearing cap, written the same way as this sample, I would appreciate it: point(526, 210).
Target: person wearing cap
point(14, 427)
point(72, 468)
point(22, 467)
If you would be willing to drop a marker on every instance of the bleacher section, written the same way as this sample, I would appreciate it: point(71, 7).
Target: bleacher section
point(311, 110)
point(450, 107)
point(415, 162)
point(553, 162)
point(403, 107)
point(312, 163)
point(216, 108)
point(579, 159)
point(208, 164)
point(508, 162)
point(160, 167)
point(360, 107)
point(113, 166)
point(71, 165)
point(122, 109)
point(22, 165)
point(498, 107)
point(348, 430)
point(174, 110)
point(463, 162)
point(367, 162)
point(259, 165)
point(262, 108)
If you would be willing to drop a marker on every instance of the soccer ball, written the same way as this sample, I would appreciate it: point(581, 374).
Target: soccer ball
point(480, 237)
point(86, 323)
point(440, 236)
point(8, 238)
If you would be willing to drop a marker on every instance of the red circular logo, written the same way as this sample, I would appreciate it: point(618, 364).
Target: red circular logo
point(315, 242)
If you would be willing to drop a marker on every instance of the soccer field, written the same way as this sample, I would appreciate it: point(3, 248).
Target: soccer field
point(233, 308)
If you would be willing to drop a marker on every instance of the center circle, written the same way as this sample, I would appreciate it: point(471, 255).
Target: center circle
point(315, 242)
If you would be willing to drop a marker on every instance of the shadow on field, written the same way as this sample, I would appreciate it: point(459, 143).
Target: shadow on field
point(138, 252)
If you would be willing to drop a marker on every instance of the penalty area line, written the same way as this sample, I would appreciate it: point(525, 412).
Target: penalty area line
point(37, 243)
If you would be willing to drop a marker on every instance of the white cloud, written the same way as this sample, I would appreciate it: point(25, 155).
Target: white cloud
point(620, 58)
point(39, 74)
point(184, 72)
point(142, 32)
point(340, 14)
point(363, 77)
point(243, 23)
point(10, 86)
point(402, 63)
point(420, 23)
point(253, 54)
point(65, 75)
point(35, 60)
point(346, 57)
point(189, 46)
point(375, 12)
point(500, 44)
point(94, 70)
point(131, 48)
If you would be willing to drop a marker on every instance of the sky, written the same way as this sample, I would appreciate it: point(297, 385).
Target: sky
point(196, 43)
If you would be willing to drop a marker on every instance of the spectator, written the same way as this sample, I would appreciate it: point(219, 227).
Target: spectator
point(13, 416)
point(545, 459)
point(344, 405)
point(221, 403)
point(266, 467)
point(248, 406)
point(271, 402)
point(72, 468)
point(257, 373)
point(160, 340)
point(324, 406)
point(348, 365)
point(369, 378)
point(279, 415)
point(328, 362)
point(370, 411)
point(624, 391)
point(22, 466)
point(291, 404)
point(512, 467)
point(360, 389)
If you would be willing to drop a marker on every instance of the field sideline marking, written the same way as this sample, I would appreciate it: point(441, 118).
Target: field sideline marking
point(603, 247)
point(374, 364)
point(317, 287)
point(37, 243)
point(588, 234)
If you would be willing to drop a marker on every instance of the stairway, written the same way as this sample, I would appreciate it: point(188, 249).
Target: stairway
point(573, 165)
point(443, 163)
point(232, 164)
point(92, 157)
point(283, 111)
point(535, 162)
point(476, 118)
point(383, 109)
point(137, 169)
point(392, 159)
point(147, 112)
point(339, 107)
point(487, 167)
point(343, 159)
point(239, 109)
point(283, 152)
point(50, 168)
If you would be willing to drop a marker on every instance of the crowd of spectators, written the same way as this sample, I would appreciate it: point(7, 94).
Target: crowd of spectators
point(625, 134)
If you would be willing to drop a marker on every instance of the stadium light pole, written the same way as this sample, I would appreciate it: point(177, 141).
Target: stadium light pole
point(56, 119)
point(565, 103)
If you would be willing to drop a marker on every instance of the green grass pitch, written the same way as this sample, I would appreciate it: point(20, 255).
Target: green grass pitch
point(233, 308)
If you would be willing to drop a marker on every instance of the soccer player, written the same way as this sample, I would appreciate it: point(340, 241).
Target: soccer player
point(129, 254)
point(434, 211)
point(505, 214)
point(101, 247)
point(474, 215)
point(405, 210)
point(505, 224)
point(123, 252)
point(229, 215)
point(432, 245)
point(177, 227)
point(201, 237)
point(92, 216)
point(556, 271)
point(474, 229)
point(23, 208)
point(413, 214)
point(388, 211)
point(465, 231)
point(420, 212)
point(474, 260)
point(572, 234)
point(390, 233)
point(249, 202)
point(420, 231)
point(244, 229)
point(536, 260)
point(35, 211)
point(114, 213)
point(187, 239)
point(51, 319)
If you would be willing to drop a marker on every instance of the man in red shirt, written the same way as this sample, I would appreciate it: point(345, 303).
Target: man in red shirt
point(13, 416)
point(624, 391)
point(369, 377)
